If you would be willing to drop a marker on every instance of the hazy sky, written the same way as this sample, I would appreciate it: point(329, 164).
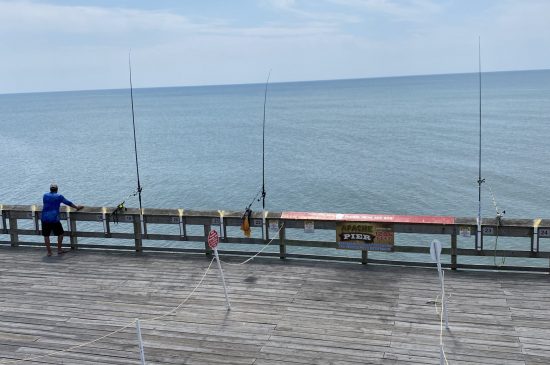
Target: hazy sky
point(48, 45)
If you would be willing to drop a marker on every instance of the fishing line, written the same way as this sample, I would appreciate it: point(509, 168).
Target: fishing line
point(498, 219)
point(481, 180)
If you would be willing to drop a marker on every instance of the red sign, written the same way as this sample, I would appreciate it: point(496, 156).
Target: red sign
point(213, 239)
point(379, 218)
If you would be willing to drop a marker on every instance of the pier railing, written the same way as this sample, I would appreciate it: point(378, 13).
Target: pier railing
point(276, 224)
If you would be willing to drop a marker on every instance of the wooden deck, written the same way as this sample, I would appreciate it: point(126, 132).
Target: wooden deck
point(283, 311)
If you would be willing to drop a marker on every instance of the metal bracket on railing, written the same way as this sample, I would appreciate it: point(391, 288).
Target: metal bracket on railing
point(479, 236)
point(103, 218)
point(143, 226)
point(3, 220)
point(68, 218)
point(34, 220)
point(181, 223)
point(535, 238)
point(222, 233)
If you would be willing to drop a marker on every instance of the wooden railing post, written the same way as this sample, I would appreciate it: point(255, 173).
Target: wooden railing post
point(137, 233)
point(14, 236)
point(364, 257)
point(454, 251)
point(73, 237)
point(282, 245)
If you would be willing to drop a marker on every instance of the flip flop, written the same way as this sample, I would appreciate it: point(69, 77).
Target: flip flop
point(49, 254)
point(62, 252)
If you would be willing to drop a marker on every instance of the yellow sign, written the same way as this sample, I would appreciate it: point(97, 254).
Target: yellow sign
point(364, 236)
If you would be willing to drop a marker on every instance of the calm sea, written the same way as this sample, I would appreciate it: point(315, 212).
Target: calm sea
point(399, 145)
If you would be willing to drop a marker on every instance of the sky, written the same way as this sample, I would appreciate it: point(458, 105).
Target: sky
point(56, 45)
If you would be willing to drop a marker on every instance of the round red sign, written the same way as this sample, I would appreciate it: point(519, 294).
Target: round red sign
point(213, 239)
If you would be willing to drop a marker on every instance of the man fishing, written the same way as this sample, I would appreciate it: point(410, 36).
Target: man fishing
point(50, 217)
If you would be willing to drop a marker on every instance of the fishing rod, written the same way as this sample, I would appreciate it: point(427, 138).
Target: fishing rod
point(261, 194)
point(139, 187)
point(479, 180)
point(120, 207)
point(263, 160)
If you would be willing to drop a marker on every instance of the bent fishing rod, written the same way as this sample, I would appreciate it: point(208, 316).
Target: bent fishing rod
point(264, 228)
point(139, 187)
point(263, 144)
point(479, 180)
point(120, 207)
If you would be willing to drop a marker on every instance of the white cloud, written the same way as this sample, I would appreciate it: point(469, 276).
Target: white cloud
point(296, 9)
point(26, 16)
point(410, 10)
point(59, 47)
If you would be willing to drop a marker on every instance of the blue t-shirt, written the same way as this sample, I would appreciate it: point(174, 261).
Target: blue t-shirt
point(50, 210)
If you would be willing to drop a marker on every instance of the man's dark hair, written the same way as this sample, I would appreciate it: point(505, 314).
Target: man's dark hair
point(53, 188)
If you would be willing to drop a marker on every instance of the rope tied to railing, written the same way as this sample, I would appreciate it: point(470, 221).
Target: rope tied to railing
point(72, 348)
point(258, 253)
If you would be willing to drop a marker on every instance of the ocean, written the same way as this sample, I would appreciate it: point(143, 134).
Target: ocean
point(396, 145)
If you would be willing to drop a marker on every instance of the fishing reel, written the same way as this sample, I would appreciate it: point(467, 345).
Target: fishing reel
point(500, 216)
point(119, 209)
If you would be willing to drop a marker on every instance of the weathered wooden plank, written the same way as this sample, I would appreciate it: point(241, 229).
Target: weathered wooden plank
point(283, 312)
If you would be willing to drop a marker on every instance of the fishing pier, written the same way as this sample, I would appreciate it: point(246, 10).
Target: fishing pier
point(286, 308)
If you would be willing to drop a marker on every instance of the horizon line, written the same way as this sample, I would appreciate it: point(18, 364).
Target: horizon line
point(279, 82)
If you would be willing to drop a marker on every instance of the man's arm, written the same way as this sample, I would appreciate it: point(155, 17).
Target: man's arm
point(70, 204)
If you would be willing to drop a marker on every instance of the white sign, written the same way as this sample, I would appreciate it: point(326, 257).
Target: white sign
point(309, 226)
point(488, 230)
point(544, 232)
point(273, 226)
point(465, 232)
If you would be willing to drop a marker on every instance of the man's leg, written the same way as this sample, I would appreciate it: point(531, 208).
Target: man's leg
point(48, 246)
point(59, 243)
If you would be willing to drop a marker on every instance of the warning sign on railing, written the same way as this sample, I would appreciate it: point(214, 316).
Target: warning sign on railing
point(213, 239)
point(365, 236)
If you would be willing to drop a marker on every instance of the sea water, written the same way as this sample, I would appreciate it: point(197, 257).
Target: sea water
point(398, 145)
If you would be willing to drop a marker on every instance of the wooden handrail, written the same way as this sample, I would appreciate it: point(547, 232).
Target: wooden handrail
point(535, 229)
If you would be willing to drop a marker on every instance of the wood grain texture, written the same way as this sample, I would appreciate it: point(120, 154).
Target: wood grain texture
point(283, 311)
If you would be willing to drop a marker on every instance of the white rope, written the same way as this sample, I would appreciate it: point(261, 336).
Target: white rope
point(185, 300)
point(259, 252)
point(32, 358)
point(440, 313)
point(143, 320)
